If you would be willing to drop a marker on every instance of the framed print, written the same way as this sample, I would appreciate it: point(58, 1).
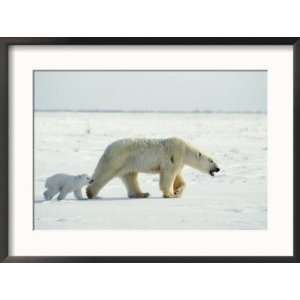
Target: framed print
point(149, 149)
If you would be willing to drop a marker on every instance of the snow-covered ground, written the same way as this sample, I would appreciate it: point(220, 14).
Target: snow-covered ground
point(234, 199)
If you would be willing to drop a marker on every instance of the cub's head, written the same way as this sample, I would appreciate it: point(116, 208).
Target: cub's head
point(198, 160)
point(83, 179)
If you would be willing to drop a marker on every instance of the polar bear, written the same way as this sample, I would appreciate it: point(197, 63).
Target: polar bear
point(127, 157)
point(65, 184)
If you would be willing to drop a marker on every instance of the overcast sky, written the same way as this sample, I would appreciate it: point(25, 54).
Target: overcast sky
point(151, 90)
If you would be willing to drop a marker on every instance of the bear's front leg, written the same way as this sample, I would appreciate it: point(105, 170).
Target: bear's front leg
point(179, 185)
point(166, 182)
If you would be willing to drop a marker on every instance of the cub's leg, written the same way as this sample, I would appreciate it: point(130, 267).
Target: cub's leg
point(179, 185)
point(78, 194)
point(132, 186)
point(63, 193)
point(50, 193)
point(166, 182)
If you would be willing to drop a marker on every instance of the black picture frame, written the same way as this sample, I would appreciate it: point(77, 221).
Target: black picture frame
point(5, 43)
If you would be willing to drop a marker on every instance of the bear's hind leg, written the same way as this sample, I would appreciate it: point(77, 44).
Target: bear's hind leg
point(132, 186)
point(179, 185)
point(166, 182)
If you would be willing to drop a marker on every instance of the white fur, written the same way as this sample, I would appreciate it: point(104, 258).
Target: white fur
point(126, 158)
point(65, 184)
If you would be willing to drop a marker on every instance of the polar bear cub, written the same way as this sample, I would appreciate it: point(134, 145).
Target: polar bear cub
point(65, 184)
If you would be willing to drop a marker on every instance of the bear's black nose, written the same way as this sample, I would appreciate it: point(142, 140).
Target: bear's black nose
point(217, 169)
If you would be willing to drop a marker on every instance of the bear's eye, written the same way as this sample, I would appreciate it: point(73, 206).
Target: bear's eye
point(210, 160)
point(199, 154)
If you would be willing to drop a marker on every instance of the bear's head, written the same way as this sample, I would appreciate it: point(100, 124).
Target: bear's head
point(200, 161)
point(83, 180)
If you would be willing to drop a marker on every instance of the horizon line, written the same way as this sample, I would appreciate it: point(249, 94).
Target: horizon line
point(147, 111)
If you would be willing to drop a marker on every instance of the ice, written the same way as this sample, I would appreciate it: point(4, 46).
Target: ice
point(72, 142)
